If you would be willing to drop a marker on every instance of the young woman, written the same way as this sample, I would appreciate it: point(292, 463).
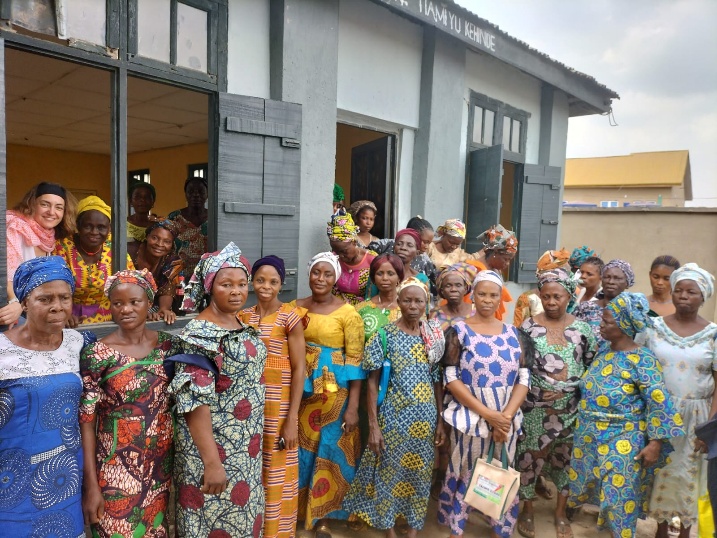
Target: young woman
point(282, 332)
point(591, 278)
point(386, 273)
point(191, 224)
point(141, 198)
point(364, 214)
point(125, 420)
point(661, 298)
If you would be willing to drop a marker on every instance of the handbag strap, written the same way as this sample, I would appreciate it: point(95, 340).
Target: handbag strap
point(503, 454)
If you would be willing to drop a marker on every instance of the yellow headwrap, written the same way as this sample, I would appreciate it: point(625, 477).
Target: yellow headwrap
point(96, 203)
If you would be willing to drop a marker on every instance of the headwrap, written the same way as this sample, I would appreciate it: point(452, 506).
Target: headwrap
point(50, 188)
point(200, 284)
point(489, 276)
point(560, 276)
point(38, 271)
point(579, 255)
point(96, 203)
point(630, 311)
point(625, 267)
point(328, 257)
point(466, 271)
point(143, 279)
point(273, 261)
point(167, 224)
point(452, 227)
point(498, 238)
point(356, 207)
point(691, 271)
point(413, 281)
point(137, 184)
point(552, 259)
point(413, 233)
point(338, 193)
point(341, 228)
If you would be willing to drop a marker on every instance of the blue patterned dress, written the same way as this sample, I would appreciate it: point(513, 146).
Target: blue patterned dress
point(397, 482)
point(624, 405)
point(40, 449)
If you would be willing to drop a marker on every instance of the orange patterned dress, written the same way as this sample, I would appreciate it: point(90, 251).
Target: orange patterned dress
point(281, 467)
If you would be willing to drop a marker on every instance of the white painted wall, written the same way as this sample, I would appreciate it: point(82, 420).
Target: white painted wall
point(405, 176)
point(248, 54)
point(379, 72)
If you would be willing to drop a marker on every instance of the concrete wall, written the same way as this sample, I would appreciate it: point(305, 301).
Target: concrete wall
point(248, 54)
point(671, 197)
point(640, 235)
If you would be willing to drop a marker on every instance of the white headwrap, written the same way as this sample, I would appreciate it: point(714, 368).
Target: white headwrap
point(489, 276)
point(328, 257)
point(691, 271)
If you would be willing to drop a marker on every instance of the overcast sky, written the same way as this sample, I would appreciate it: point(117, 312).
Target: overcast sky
point(660, 56)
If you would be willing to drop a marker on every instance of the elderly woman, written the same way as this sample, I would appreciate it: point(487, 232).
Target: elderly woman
point(218, 387)
point(45, 214)
point(89, 256)
point(281, 329)
point(625, 419)
point(660, 300)
point(40, 388)
point(191, 224)
point(685, 345)
point(364, 214)
point(329, 439)
point(126, 425)
point(454, 284)
point(355, 260)
point(386, 273)
point(529, 303)
point(564, 348)
point(446, 248)
point(486, 385)
point(141, 199)
point(406, 246)
point(156, 254)
point(403, 434)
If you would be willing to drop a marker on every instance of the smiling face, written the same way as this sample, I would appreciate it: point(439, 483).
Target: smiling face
point(48, 210)
point(405, 248)
point(660, 279)
point(129, 305)
point(160, 242)
point(555, 299)
point(267, 283)
point(322, 278)
point(450, 243)
point(93, 229)
point(687, 297)
point(366, 219)
point(614, 282)
point(486, 297)
point(453, 288)
point(386, 278)
point(49, 306)
point(412, 302)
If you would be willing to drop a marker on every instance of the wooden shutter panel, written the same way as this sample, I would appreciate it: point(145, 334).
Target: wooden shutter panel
point(483, 196)
point(538, 223)
point(259, 176)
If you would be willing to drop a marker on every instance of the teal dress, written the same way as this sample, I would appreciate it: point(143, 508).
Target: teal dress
point(624, 405)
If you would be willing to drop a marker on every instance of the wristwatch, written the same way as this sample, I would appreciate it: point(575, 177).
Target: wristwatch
point(13, 300)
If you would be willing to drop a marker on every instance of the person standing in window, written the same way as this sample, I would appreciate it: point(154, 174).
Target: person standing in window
point(141, 199)
point(191, 224)
point(364, 214)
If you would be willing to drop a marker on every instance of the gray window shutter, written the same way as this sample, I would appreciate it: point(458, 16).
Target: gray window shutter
point(483, 196)
point(3, 178)
point(259, 176)
point(539, 213)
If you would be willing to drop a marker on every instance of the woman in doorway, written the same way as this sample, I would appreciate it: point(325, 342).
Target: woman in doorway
point(282, 331)
point(141, 199)
point(45, 214)
point(156, 254)
point(219, 405)
point(191, 224)
point(352, 283)
point(89, 256)
point(661, 298)
point(125, 418)
point(329, 438)
point(364, 214)
point(686, 345)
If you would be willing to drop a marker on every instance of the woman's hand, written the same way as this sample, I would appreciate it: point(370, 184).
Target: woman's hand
point(215, 479)
point(440, 436)
point(290, 432)
point(350, 420)
point(73, 321)
point(93, 504)
point(10, 313)
point(499, 436)
point(701, 446)
point(168, 316)
point(376, 443)
point(499, 421)
point(650, 453)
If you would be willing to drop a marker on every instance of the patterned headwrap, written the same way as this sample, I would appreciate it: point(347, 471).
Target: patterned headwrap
point(167, 224)
point(273, 261)
point(452, 227)
point(96, 203)
point(625, 267)
point(579, 255)
point(341, 228)
point(552, 259)
point(328, 257)
point(630, 311)
point(466, 271)
point(413, 233)
point(413, 281)
point(560, 276)
point(143, 279)
point(356, 207)
point(488, 276)
point(38, 271)
point(200, 284)
point(338, 193)
point(498, 238)
point(691, 271)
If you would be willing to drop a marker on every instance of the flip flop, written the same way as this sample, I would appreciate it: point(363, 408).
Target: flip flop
point(542, 489)
point(526, 525)
point(563, 529)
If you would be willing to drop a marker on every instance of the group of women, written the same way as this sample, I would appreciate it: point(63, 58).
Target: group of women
point(333, 406)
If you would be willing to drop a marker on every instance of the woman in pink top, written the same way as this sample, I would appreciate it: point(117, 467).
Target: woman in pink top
point(355, 261)
point(46, 213)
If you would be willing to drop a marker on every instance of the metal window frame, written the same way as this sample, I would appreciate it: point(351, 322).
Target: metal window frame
point(501, 110)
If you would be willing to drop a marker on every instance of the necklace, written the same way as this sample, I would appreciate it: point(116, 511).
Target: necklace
point(385, 309)
point(88, 252)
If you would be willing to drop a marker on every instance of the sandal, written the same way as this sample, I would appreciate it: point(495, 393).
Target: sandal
point(563, 529)
point(526, 525)
point(542, 489)
point(572, 512)
point(322, 531)
point(401, 526)
point(356, 525)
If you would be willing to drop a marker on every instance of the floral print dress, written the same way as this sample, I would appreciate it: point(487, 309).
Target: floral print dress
point(128, 398)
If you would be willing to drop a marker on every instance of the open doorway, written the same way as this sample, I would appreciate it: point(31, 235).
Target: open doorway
point(365, 168)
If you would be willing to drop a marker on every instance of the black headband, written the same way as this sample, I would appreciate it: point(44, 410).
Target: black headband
point(50, 188)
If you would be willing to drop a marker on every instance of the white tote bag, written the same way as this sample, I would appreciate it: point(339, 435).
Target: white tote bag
point(494, 485)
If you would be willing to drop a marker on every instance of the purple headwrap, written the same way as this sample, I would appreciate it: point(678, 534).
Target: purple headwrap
point(625, 267)
point(273, 261)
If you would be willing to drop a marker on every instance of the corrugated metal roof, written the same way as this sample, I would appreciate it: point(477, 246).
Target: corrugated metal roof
point(650, 169)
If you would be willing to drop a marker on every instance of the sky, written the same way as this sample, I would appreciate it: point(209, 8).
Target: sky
point(660, 56)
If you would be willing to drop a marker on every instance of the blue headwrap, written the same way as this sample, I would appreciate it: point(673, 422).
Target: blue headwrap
point(39, 271)
point(579, 255)
point(630, 311)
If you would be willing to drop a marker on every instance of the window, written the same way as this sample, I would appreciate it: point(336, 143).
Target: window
point(608, 203)
point(493, 122)
point(138, 175)
point(197, 170)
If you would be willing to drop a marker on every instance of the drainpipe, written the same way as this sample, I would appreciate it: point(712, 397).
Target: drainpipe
point(60, 16)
